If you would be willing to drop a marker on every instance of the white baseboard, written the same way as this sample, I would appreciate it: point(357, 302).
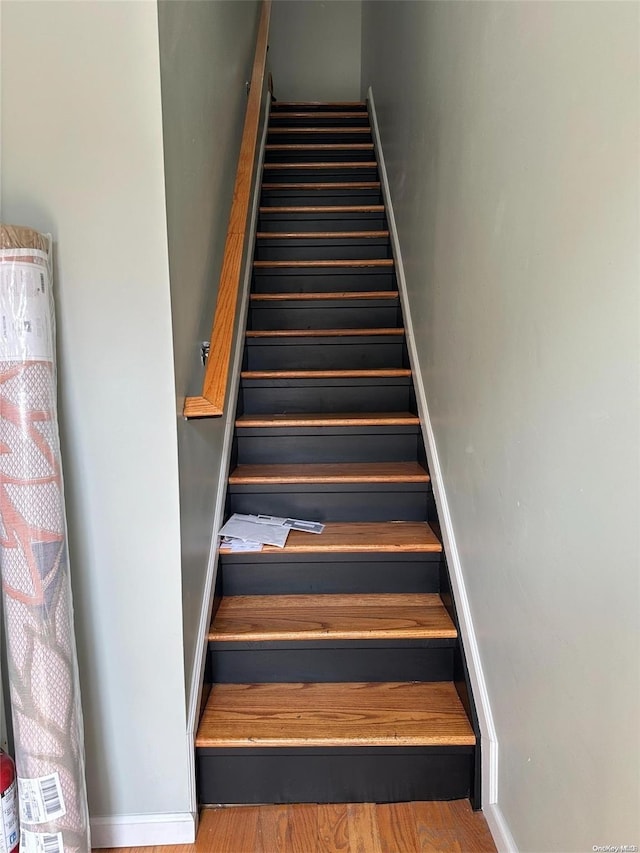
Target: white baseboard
point(499, 829)
point(489, 741)
point(143, 830)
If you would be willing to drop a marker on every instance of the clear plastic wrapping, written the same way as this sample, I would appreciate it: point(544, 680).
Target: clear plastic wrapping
point(36, 587)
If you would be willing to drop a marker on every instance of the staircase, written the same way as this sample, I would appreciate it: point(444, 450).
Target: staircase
point(335, 670)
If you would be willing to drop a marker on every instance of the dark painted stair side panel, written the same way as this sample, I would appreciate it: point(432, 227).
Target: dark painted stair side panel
point(309, 172)
point(249, 663)
point(270, 219)
point(298, 136)
point(293, 118)
point(355, 152)
point(385, 774)
point(280, 574)
point(319, 279)
point(328, 444)
point(330, 353)
point(334, 502)
point(318, 249)
point(308, 194)
point(272, 396)
point(325, 314)
point(318, 106)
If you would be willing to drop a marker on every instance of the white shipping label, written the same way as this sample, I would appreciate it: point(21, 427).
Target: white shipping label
point(41, 842)
point(41, 799)
point(9, 819)
point(240, 545)
point(26, 325)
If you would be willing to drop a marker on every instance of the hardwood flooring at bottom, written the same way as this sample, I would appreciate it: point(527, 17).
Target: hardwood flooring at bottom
point(420, 827)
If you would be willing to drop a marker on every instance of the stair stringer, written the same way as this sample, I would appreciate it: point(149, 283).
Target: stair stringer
point(468, 642)
point(200, 655)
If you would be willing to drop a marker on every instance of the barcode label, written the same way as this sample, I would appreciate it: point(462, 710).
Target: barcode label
point(9, 818)
point(41, 842)
point(41, 799)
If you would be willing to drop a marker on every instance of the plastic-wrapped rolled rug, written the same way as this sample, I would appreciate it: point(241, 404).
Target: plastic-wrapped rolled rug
point(36, 587)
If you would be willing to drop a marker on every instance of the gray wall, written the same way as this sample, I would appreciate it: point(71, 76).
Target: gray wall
point(314, 49)
point(82, 158)
point(511, 136)
point(206, 55)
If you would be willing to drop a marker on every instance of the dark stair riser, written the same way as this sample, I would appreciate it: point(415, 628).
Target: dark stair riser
point(334, 502)
point(323, 136)
point(325, 314)
point(310, 196)
point(335, 775)
point(323, 280)
point(320, 155)
point(319, 353)
point(331, 661)
point(273, 445)
point(322, 249)
point(317, 221)
point(312, 174)
point(331, 573)
point(293, 119)
point(319, 107)
point(260, 396)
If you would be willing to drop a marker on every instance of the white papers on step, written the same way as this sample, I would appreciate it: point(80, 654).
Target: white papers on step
point(249, 529)
point(265, 529)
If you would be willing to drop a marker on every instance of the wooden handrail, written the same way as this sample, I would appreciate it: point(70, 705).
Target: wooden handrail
point(214, 386)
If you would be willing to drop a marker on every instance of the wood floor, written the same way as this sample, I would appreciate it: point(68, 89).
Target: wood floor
point(345, 828)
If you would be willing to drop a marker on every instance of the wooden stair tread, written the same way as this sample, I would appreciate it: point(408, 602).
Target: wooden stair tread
point(321, 333)
point(328, 264)
point(322, 185)
point(329, 472)
point(334, 208)
point(364, 537)
point(320, 235)
point(319, 419)
point(382, 616)
point(381, 373)
point(345, 714)
point(341, 294)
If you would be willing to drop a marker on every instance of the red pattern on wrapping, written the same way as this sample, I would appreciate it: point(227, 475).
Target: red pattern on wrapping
point(18, 532)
